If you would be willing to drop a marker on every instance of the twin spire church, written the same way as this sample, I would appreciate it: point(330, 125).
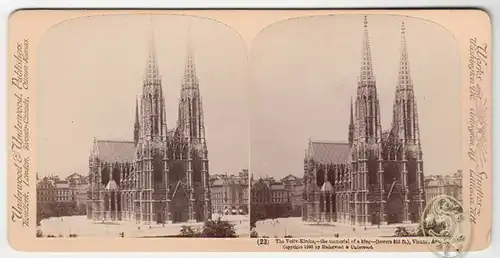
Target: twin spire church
point(162, 175)
point(376, 177)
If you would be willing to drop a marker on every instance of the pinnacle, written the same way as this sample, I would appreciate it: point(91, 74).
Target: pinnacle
point(190, 80)
point(152, 71)
point(366, 73)
point(404, 80)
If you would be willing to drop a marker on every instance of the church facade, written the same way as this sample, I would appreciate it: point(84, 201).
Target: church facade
point(376, 177)
point(162, 175)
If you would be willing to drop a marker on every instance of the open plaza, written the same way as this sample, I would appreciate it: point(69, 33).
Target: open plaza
point(295, 227)
point(82, 227)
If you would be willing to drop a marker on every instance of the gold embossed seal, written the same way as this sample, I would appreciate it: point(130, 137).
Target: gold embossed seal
point(447, 225)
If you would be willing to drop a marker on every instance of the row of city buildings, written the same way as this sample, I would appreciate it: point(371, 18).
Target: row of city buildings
point(69, 196)
point(61, 196)
point(230, 193)
point(289, 190)
point(270, 194)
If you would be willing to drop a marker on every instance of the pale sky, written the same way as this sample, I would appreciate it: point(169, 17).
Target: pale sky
point(90, 73)
point(304, 72)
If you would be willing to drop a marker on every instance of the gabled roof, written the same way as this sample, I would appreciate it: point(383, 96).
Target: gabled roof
point(112, 186)
point(327, 186)
point(170, 132)
point(180, 187)
point(74, 175)
point(114, 151)
point(329, 152)
point(290, 177)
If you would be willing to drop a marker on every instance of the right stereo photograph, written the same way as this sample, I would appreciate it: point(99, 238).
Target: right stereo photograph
point(355, 125)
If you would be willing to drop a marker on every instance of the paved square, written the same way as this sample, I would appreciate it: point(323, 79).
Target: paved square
point(297, 228)
point(83, 227)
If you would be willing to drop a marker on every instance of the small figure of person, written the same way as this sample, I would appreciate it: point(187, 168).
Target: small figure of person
point(365, 228)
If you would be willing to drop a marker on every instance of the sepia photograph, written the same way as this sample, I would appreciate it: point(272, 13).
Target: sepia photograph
point(249, 130)
point(143, 128)
point(355, 126)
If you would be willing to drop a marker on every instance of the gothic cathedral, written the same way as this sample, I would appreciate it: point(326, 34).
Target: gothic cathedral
point(376, 177)
point(162, 176)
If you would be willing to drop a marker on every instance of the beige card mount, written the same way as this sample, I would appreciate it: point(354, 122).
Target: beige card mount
point(250, 130)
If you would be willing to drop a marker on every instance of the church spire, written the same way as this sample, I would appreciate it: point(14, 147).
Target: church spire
point(152, 106)
point(190, 106)
point(190, 81)
point(366, 72)
point(137, 125)
point(152, 73)
point(404, 65)
point(351, 125)
point(367, 124)
point(405, 118)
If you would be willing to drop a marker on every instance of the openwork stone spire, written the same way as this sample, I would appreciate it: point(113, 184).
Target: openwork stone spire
point(152, 105)
point(137, 125)
point(351, 124)
point(404, 65)
point(366, 73)
point(190, 81)
point(405, 118)
point(190, 106)
point(152, 72)
point(367, 112)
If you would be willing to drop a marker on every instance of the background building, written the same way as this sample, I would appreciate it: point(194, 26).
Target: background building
point(61, 197)
point(230, 193)
point(272, 198)
point(295, 187)
point(436, 185)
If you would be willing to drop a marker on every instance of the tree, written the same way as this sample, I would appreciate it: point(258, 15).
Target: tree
point(187, 231)
point(258, 213)
point(401, 232)
point(271, 211)
point(218, 228)
point(211, 228)
point(286, 210)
